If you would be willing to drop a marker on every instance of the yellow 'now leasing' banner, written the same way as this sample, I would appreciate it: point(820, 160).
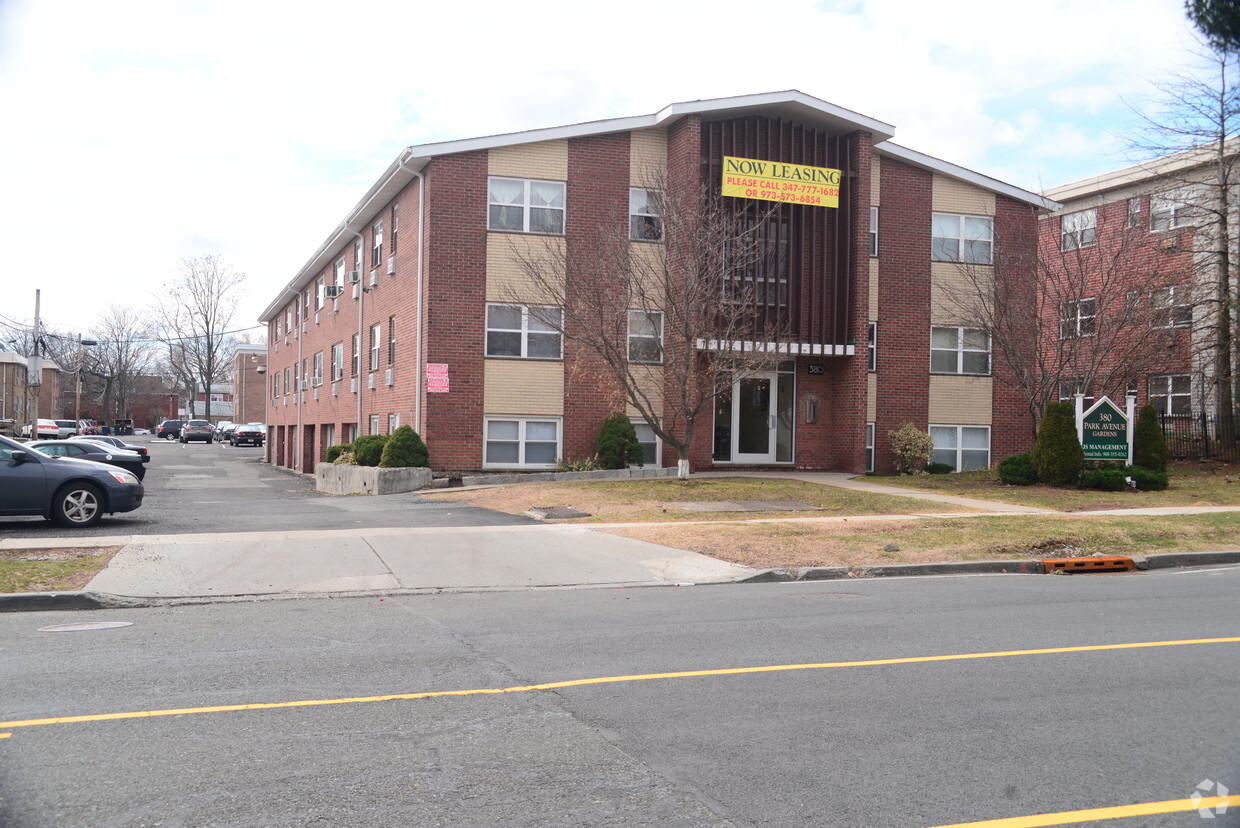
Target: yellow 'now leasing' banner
point(776, 181)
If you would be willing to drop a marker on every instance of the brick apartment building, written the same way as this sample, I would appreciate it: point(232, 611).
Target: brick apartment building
point(1152, 232)
point(434, 246)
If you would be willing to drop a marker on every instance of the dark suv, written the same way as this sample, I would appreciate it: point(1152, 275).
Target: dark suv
point(197, 430)
point(170, 429)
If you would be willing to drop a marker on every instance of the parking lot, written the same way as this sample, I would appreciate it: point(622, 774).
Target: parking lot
point(212, 487)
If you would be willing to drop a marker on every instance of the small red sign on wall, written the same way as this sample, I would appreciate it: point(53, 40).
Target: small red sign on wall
point(437, 377)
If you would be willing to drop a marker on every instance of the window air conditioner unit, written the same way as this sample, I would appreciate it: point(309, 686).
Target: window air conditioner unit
point(353, 385)
point(332, 291)
point(316, 395)
point(316, 317)
point(388, 378)
point(357, 291)
point(355, 276)
point(374, 278)
point(294, 333)
point(370, 382)
point(335, 389)
point(316, 381)
point(1169, 242)
point(391, 265)
point(301, 385)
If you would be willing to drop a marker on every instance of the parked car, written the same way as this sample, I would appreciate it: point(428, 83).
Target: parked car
point(170, 429)
point(66, 428)
point(141, 431)
point(43, 430)
point(224, 430)
point(69, 491)
point(115, 442)
point(130, 461)
point(197, 430)
point(252, 434)
point(88, 427)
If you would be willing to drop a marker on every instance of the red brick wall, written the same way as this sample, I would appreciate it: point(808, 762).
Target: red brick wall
point(1011, 427)
point(903, 304)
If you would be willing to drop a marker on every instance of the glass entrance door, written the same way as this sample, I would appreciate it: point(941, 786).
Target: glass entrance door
point(753, 418)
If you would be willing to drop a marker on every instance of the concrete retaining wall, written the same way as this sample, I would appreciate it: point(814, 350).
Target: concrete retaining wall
point(548, 477)
point(369, 480)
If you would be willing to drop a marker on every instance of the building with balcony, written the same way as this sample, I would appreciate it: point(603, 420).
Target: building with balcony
point(415, 311)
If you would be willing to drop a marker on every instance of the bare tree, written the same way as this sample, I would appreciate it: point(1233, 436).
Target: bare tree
point(195, 318)
point(1192, 136)
point(122, 355)
point(1077, 319)
point(671, 322)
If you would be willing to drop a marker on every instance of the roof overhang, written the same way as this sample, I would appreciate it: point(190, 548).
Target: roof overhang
point(932, 164)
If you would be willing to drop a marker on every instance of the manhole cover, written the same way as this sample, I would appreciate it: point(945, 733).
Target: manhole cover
point(93, 625)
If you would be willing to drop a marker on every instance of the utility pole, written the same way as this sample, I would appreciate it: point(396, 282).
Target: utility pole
point(34, 370)
point(77, 402)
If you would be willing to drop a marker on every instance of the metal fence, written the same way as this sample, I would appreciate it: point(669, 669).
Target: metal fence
point(1198, 437)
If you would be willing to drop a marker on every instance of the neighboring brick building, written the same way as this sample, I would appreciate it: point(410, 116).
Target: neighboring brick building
point(1153, 220)
point(249, 373)
point(435, 245)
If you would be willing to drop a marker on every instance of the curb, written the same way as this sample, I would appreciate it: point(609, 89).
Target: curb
point(66, 601)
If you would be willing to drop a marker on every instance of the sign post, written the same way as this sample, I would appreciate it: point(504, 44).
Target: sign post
point(1105, 432)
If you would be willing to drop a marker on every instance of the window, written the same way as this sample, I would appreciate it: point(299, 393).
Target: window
point(391, 340)
point(873, 231)
point(1069, 388)
point(645, 215)
point(337, 361)
point(318, 367)
point(340, 272)
point(756, 261)
point(1076, 318)
point(375, 346)
point(520, 441)
point(393, 422)
point(395, 227)
point(376, 244)
point(959, 351)
point(1170, 210)
point(374, 424)
point(329, 434)
point(652, 446)
point(275, 385)
point(356, 355)
point(287, 384)
point(1078, 230)
point(962, 447)
point(350, 432)
point(645, 336)
point(318, 296)
point(521, 331)
point(523, 206)
point(961, 238)
point(1172, 395)
point(871, 345)
point(1172, 307)
point(1134, 212)
point(357, 256)
point(869, 447)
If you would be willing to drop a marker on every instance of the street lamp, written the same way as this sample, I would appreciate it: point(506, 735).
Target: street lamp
point(77, 402)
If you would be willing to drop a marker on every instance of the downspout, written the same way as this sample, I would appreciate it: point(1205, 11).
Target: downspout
point(301, 440)
point(421, 315)
point(361, 303)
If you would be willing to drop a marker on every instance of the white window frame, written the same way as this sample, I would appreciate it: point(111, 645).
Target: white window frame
point(521, 441)
point(645, 217)
point(873, 232)
point(356, 356)
point(959, 448)
point(1163, 387)
point(318, 366)
point(1068, 390)
point(376, 345)
point(636, 338)
point(968, 247)
point(871, 346)
point(373, 424)
point(640, 422)
point(393, 422)
point(1171, 307)
point(337, 362)
point(959, 351)
point(1078, 317)
point(1170, 210)
point(1078, 230)
point(1133, 218)
point(376, 244)
point(869, 447)
point(318, 297)
point(524, 330)
point(526, 206)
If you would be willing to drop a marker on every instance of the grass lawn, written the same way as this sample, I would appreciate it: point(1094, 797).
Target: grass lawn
point(1193, 483)
point(929, 540)
point(51, 570)
point(647, 499)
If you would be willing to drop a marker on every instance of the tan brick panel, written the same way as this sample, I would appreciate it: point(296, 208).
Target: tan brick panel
point(648, 158)
point(546, 160)
point(952, 289)
point(507, 280)
point(649, 378)
point(960, 400)
point(952, 196)
point(521, 387)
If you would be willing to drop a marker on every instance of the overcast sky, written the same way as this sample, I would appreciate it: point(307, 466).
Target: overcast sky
point(139, 133)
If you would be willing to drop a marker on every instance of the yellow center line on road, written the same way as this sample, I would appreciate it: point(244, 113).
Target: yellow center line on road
point(5, 735)
point(557, 685)
point(1171, 806)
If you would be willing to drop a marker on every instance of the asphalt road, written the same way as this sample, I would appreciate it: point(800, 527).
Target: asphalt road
point(197, 487)
point(911, 743)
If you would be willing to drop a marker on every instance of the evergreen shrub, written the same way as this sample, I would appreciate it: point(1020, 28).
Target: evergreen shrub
point(617, 443)
point(1110, 479)
point(335, 451)
point(368, 449)
point(1149, 444)
point(1018, 470)
point(404, 448)
point(1057, 454)
point(940, 468)
point(1147, 480)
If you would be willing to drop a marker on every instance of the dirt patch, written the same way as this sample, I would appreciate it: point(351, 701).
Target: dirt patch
point(52, 570)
